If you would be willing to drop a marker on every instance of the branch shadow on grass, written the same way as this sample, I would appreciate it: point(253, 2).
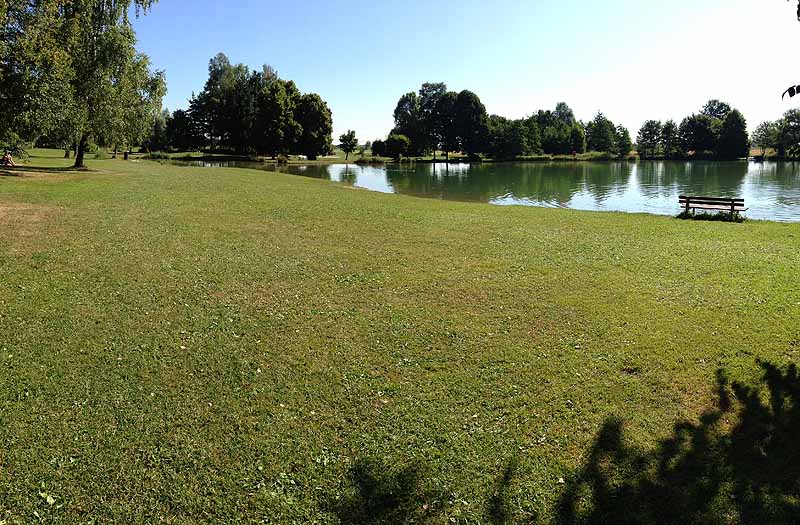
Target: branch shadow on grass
point(739, 463)
point(713, 471)
point(378, 494)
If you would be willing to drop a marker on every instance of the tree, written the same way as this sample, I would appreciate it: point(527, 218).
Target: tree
point(378, 148)
point(278, 130)
point(733, 140)
point(716, 109)
point(445, 130)
point(623, 143)
point(699, 133)
point(766, 136)
point(649, 138)
point(564, 114)
point(670, 141)
point(533, 136)
point(348, 143)
point(601, 135)
point(789, 134)
point(313, 115)
point(182, 133)
point(578, 138)
point(397, 146)
point(101, 41)
point(429, 96)
point(507, 138)
point(408, 122)
point(471, 123)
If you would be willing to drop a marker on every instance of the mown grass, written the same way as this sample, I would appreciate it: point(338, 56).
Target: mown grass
point(182, 345)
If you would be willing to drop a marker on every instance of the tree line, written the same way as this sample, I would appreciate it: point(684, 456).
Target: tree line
point(247, 112)
point(70, 74)
point(782, 135)
point(436, 119)
point(717, 131)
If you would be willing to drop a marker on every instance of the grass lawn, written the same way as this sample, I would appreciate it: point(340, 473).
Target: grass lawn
point(186, 345)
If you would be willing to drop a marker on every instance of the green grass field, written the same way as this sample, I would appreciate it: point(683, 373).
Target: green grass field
point(186, 345)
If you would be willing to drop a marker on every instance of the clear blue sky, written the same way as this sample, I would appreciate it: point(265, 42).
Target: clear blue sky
point(633, 60)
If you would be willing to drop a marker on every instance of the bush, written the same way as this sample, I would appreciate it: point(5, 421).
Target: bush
point(722, 216)
point(101, 154)
point(157, 156)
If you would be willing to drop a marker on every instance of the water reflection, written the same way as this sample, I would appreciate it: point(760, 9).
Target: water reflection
point(771, 190)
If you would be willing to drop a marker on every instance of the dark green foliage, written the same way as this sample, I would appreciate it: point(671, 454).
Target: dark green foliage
point(378, 148)
point(578, 138)
point(733, 140)
point(246, 112)
point(507, 138)
point(348, 143)
point(649, 139)
point(699, 133)
point(182, 134)
point(716, 109)
point(601, 135)
point(408, 121)
point(314, 117)
point(721, 216)
point(623, 142)
point(789, 134)
point(397, 146)
point(446, 136)
point(471, 122)
point(766, 135)
point(670, 141)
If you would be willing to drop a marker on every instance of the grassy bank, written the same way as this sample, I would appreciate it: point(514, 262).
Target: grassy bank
point(186, 345)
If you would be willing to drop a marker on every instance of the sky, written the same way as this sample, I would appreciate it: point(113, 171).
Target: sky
point(632, 60)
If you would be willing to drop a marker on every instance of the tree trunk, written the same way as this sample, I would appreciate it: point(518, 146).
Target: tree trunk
point(346, 155)
point(79, 154)
point(115, 150)
point(67, 153)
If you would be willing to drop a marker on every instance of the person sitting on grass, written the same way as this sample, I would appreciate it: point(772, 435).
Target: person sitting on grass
point(8, 160)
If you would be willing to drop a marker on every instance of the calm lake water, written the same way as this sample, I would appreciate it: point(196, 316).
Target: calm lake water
point(771, 190)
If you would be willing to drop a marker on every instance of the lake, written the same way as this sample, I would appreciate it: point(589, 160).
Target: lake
point(771, 189)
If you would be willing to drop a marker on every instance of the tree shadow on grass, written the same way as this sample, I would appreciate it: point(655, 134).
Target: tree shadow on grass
point(19, 171)
point(706, 472)
point(378, 494)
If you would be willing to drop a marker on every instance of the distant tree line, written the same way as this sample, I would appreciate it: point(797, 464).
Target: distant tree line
point(435, 119)
point(782, 136)
point(247, 112)
point(717, 131)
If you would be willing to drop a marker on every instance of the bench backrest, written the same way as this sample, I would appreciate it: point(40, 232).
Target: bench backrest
point(710, 200)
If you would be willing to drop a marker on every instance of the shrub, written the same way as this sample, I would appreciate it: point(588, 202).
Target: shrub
point(722, 216)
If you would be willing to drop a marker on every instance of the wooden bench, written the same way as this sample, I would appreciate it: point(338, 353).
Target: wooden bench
point(711, 203)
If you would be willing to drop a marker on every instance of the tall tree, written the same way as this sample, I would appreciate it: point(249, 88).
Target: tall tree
point(766, 136)
point(314, 117)
point(409, 123)
point(699, 133)
point(623, 142)
point(102, 43)
point(670, 140)
point(601, 134)
point(348, 143)
point(429, 96)
point(471, 123)
point(445, 130)
point(733, 140)
point(564, 114)
point(649, 138)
